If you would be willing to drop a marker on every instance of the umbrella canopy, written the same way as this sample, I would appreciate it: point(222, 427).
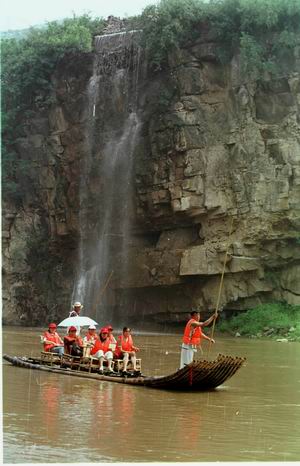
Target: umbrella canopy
point(77, 321)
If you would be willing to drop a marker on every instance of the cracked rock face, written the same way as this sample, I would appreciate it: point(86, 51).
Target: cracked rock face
point(215, 152)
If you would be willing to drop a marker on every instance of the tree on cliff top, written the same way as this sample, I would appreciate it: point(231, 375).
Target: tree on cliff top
point(264, 30)
point(27, 67)
point(28, 63)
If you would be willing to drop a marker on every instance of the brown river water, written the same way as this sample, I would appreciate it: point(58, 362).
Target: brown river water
point(254, 416)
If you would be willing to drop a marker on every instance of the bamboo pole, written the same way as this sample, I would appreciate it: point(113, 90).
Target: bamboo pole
point(221, 286)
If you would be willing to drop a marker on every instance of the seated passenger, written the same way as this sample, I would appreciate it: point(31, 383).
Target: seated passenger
point(113, 341)
point(52, 341)
point(126, 349)
point(101, 350)
point(89, 340)
point(73, 344)
point(91, 335)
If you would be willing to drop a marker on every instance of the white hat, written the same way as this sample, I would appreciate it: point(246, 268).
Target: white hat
point(77, 304)
point(92, 327)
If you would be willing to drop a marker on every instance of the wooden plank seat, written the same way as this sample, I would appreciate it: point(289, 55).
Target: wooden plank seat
point(119, 364)
point(50, 358)
point(85, 363)
point(89, 363)
point(93, 364)
point(69, 361)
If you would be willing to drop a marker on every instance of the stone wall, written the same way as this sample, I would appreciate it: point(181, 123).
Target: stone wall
point(225, 150)
point(40, 236)
point(215, 150)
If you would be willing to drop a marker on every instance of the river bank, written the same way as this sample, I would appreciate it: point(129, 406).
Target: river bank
point(277, 321)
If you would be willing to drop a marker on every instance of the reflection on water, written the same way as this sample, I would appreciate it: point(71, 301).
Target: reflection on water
point(255, 416)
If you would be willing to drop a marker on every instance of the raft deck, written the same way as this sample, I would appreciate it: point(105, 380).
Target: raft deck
point(198, 376)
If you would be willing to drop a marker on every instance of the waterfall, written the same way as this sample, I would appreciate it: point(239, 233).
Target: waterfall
point(106, 188)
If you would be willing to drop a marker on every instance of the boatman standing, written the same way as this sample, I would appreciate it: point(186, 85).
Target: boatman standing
point(192, 337)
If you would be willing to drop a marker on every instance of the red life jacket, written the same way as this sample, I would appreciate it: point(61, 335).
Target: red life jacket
point(125, 345)
point(51, 337)
point(68, 341)
point(101, 345)
point(192, 335)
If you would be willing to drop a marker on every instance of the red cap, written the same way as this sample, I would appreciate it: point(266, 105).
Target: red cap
point(109, 327)
point(52, 325)
point(104, 330)
point(72, 329)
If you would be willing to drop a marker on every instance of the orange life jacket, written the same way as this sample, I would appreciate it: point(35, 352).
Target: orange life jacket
point(54, 337)
point(125, 345)
point(192, 335)
point(101, 345)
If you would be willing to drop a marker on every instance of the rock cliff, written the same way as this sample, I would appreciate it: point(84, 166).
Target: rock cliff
point(214, 151)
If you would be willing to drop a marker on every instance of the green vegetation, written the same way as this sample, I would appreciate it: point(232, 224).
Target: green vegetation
point(273, 320)
point(28, 64)
point(265, 31)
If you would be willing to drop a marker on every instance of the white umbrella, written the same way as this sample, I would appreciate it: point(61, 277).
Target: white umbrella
point(77, 321)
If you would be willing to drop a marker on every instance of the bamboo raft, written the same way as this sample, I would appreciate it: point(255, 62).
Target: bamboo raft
point(197, 376)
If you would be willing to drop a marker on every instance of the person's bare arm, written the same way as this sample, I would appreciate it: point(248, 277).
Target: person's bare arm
point(48, 342)
point(207, 338)
point(203, 324)
point(209, 320)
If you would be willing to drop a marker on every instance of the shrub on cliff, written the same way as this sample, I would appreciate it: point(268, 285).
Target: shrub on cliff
point(265, 31)
point(270, 319)
point(28, 63)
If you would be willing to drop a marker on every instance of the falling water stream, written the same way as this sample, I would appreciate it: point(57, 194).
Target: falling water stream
point(106, 189)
